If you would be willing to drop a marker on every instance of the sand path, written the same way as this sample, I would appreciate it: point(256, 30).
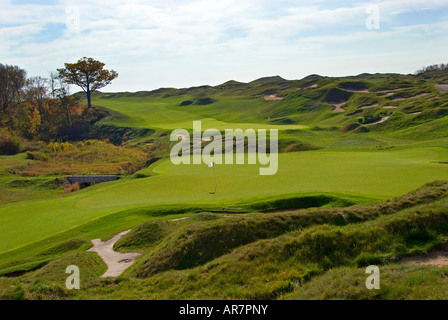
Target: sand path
point(438, 258)
point(116, 262)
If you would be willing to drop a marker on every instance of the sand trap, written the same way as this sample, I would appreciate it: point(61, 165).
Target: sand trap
point(416, 96)
point(312, 86)
point(390, 107)
point(442, 87)
point(397, 99)
point(116, 262)
point(416, 112)
point(179, 219)
point(271, 97)
point(355, 90)
point(437, 258)
point(338, 106)
point(391, 91)
point(369, 106)
point(420, 95)
point(379, 121)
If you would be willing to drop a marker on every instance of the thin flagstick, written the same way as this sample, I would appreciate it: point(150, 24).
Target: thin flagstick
point(214, 170)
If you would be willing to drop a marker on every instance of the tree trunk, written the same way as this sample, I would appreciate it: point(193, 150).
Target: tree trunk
point(89, 100)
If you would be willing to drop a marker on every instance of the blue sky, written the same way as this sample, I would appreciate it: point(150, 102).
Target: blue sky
point(182, 43)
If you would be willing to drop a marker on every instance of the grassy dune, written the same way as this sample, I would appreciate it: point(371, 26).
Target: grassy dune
point(286, 255)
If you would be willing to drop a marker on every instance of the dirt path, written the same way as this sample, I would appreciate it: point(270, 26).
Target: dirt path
point(437, 258)
point(116, 262)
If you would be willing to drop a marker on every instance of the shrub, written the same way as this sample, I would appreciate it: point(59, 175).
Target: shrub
point(72, 187)
point(37, 155)
point(9, 143)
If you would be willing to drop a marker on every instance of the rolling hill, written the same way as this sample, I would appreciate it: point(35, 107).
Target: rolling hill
point(361, 168)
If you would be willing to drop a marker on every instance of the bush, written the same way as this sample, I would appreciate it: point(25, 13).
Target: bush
point(9, 143)
point(37, 155)
point(72, 187)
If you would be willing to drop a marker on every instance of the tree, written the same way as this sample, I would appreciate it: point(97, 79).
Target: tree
point(89, 74)
point(12, 80)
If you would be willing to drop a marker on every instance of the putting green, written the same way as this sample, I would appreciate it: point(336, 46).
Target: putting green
point(377, 174)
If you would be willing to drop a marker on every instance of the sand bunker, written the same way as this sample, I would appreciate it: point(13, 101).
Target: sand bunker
point(437, 258)
point(271, 97)
point(420, 95)
point(116, 262)
point(338, 106)
point(442, 87)
point(390, 107)
point(369, 106)
point(357, 90)
point(397, 99)
point(416, 96)
point(379, 121)
point(179, 219)
point(311, 86)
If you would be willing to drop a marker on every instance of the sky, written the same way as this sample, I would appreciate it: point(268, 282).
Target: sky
point(184, 43)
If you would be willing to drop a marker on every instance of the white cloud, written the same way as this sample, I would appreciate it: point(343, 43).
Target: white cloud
point(181, 43)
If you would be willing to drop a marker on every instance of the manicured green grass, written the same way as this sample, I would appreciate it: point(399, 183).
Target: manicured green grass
point(167, 114)
point(374, 174)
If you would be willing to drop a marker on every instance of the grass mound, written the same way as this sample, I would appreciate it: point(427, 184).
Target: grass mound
point(145, 235)
point(197, 244)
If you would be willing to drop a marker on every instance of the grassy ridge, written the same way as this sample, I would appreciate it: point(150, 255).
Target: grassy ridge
point(285, 254)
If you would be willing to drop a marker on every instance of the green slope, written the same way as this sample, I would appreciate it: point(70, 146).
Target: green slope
point(376, 174)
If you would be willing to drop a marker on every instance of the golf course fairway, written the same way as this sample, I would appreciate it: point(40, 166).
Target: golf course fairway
point(374, 174)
